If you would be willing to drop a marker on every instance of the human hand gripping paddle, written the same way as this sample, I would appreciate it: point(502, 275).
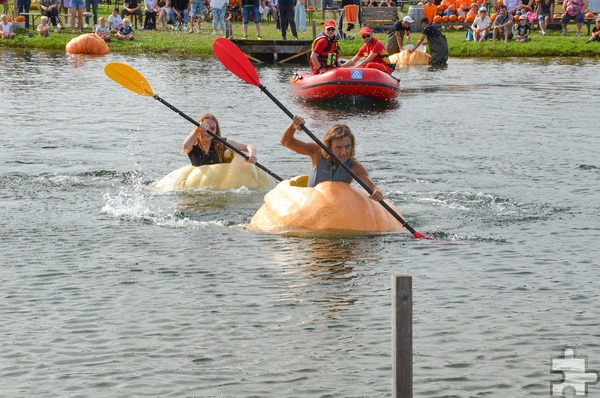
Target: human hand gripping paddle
point(133, 80)
point(236, 61)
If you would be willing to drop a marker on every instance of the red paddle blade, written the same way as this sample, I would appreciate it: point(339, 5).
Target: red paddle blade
point(235, 60)
point(418, 235)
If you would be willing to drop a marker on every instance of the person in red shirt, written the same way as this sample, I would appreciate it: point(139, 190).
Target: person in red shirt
point(325, 52)
point(374, 51)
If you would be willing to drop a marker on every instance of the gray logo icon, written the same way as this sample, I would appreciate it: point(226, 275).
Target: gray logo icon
point(575, 376)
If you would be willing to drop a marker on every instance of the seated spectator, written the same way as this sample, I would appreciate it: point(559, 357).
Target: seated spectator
point(503, 24)
point(543, 12)
point(463, 7)
point(481, 26)
point(126, 32)
point(6, 31)
point(103, 30)
point(50, 8)
point(131, 7)
point(180, 11)
point(595, 32)
point(526, 6)
point(43, 29)
point(573, 9)
point(115, 22)
point(164, 12)
point(150, 14)
point(523, 29)
point(512, 6)
point(430, 10)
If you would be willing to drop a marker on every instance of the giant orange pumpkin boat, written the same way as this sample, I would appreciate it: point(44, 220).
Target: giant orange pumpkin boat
point(329, 207)
point(345, 82)
point(88, 43)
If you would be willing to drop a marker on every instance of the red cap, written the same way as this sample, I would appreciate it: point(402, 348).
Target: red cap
point(329, 23)
point(366, 31)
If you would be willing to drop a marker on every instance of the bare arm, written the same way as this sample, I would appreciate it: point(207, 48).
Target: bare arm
point(361, 173)
point(248, 148)
point(304, 148)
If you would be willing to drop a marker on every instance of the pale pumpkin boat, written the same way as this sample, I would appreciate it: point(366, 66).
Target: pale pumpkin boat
point(328, 207)
point(236, 174)
point(406, 58)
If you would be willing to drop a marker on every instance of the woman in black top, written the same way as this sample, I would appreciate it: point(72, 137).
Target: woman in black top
point(203, 149)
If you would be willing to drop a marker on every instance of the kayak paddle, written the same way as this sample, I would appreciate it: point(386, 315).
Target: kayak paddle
point(236, 61)
point(133, 80)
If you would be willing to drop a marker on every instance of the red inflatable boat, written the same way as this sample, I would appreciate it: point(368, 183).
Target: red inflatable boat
point(345, 82)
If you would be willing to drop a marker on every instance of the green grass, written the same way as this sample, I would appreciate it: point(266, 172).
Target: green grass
point(185, 44)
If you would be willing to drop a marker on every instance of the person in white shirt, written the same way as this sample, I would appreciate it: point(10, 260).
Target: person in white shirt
point(219, 9)
point(481, 26)
point(115, 22)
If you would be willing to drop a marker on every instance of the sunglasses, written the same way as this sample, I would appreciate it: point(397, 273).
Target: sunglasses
point(366, 37)
point(330, 29)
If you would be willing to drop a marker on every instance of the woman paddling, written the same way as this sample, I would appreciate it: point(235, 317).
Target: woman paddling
point(340, 141)
point(203, 149)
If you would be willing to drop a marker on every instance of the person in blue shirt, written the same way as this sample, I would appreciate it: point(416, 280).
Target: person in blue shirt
point(340, 141)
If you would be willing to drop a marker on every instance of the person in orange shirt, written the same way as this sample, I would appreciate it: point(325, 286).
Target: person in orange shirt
point(430, 9)
point(463, 7)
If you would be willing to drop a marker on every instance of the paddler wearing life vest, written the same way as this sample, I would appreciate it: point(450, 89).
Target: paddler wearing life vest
point(373, 51)
point(203, 149)
point(340, 141)
point(325, 51)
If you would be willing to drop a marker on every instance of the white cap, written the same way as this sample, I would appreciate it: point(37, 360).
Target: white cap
point(408, 19)
point(483, 9)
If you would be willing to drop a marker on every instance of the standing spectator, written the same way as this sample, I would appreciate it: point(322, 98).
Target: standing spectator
point(396, 34)
point(43, 28)
point(4, 4)
point(164, 12)
point(523, 29)
point(594, 6)
point(66, 6)
point(543, 12)
point(6, 31)
point(251, 7)
point(595, 32)
point(50, 8)
point(150, 10)
point(94, 5)
point(328, 4)
point(115, 22)
point(77, 15)
point(438, 46)
point(180, 10)
point(196, 14)
point(481, 26)
point(503, 24)
point(300, 16)
point(375, 53)
point(219, 10)
point(574, 9)
point(131, 7)
point(23, 6)
point(286, 16)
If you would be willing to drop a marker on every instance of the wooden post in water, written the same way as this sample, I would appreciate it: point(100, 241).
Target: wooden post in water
point(402, 343)
point(314, 29)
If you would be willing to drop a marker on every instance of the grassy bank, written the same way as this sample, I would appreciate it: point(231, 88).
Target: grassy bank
point(554, 44)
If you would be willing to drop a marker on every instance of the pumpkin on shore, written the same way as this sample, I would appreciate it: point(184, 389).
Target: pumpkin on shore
point(88, 43)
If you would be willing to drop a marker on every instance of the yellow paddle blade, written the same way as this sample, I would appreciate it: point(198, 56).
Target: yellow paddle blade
point(129, 78)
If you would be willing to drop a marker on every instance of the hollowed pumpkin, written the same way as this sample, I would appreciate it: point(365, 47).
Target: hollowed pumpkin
point(88, 43)
point(330, 206)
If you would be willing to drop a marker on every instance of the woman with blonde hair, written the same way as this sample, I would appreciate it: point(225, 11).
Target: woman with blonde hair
point(202, 148)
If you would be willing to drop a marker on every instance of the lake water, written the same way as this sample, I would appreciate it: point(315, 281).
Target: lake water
point(108, 290)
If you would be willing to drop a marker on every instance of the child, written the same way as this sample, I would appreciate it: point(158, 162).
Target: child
point(6, 31)
point(340, 141)
point(126, 32)
point(43, 29)
point(523, 30)
point(115, 22)
point(595, 32)
point(103, 30)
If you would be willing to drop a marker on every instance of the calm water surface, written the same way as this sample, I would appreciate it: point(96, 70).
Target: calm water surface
point(109, 290)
